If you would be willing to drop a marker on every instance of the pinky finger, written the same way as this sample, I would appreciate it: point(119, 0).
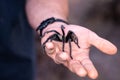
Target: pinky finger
point(88, 65)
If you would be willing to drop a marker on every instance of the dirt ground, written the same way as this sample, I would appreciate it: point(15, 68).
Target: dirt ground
point(100, 17)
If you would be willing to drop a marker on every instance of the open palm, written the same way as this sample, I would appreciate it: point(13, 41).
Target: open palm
point(81, 63)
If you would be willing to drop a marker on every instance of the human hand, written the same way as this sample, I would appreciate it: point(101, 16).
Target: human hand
point(81, 63)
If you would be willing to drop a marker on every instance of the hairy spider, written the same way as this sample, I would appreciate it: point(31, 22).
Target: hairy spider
point(70, 37)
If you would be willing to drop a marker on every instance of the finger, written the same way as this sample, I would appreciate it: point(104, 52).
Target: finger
point(62, 57)
point(77, 68)
point(54, 52)
point(91, 70)
point(87, 64)
point(50, 45)
point(102, 44)
point(49, 48)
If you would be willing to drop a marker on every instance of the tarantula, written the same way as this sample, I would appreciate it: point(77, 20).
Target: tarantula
point(62, 38)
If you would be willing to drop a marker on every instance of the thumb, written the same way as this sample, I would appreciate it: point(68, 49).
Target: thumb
point(102, 44)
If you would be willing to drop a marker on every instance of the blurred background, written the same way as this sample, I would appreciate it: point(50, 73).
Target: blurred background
point(100, 16)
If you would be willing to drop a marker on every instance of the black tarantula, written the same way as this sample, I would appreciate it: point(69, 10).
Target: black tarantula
point(62, 38)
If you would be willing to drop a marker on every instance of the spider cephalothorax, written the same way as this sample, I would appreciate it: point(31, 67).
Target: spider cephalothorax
point(70, 37)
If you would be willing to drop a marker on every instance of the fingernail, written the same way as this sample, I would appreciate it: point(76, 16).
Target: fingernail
point(93, 75)
point(82, 73)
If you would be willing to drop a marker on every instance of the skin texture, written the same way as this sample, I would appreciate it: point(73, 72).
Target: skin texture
point(39, 10)
point(81, 63)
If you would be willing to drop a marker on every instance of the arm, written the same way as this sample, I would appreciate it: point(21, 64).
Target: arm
point(39, 10)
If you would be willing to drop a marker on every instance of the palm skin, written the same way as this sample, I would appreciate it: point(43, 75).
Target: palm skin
point(81, 63)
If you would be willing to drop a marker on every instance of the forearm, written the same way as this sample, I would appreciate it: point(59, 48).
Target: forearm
point(39, 10)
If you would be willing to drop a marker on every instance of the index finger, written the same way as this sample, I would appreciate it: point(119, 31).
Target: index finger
point(102, 44)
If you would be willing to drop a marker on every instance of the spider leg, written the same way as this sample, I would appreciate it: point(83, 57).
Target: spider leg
point(73, 38)
point(69, 38)
point(70, 48)
point(63, 37)
point(55, 37)
point(51, 31)
point(46, 41)
point(76, 42)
